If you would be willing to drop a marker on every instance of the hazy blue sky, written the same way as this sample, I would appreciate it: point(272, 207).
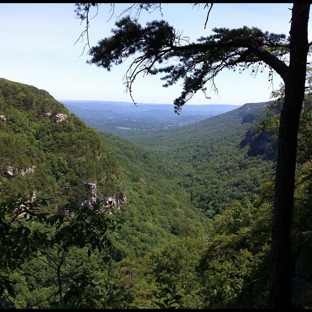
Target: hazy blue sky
point(37, 47)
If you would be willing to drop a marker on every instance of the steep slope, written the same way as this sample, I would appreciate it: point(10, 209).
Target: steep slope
point(159, 208)
point(46, 150)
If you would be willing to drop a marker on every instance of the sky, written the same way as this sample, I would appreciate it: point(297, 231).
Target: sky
point(39, 47)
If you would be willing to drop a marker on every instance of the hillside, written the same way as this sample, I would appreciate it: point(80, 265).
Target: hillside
point(158, 204)
point(211, 159)
point(222, 169)
point(195, 231)
point(47, 150)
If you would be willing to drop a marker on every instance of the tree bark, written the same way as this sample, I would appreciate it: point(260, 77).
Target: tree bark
point(281, 268)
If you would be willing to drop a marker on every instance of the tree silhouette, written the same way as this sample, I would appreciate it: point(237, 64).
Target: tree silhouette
point(198, 63)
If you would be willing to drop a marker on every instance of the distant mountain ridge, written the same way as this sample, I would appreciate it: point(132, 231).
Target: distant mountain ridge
point(218, 167)
point(120, 118)
point(117, 105)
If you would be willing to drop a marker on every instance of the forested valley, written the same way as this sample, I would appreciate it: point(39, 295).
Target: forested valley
point(176, 218)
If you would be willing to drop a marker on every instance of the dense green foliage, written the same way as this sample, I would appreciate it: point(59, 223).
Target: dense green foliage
point(159, 48)
point(62, 156)
point(153, 216)
point(219, 168)
point(195, 232)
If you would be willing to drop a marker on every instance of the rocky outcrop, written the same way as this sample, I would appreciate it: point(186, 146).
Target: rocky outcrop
point(92, 193)
point(48, 114)
point(115, 202)
point(2, 118)
point(111, 203)
point(10, 172)
point(58, 117)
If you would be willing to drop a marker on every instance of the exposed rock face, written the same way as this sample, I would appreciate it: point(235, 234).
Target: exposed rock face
point(92, 193)
point(58, 117)
point(111, 203)
point(11, 172)
point(115, 202)
point(48, 114)
point(27, 170)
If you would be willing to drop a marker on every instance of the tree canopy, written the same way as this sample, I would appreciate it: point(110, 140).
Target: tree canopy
point(198, 63)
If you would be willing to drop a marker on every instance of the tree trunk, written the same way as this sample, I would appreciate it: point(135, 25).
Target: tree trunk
point(281, 268)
